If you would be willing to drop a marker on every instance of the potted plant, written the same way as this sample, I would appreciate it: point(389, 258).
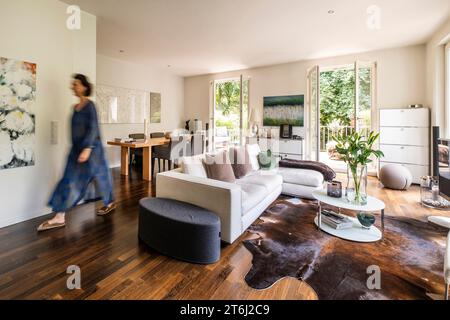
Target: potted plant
point(357, 150)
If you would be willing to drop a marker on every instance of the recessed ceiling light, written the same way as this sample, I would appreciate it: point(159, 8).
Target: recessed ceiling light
point(331, 12)
point(168, 66)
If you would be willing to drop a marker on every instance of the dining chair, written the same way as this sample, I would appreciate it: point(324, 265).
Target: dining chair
point(157, 135)
point(197, 144)
point(136, 153)
point(171, 152)
point(152, 136)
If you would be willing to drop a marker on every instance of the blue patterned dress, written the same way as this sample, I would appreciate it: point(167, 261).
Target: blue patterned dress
point(87, 181)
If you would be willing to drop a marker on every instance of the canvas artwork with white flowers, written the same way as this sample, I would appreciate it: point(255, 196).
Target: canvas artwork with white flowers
point(17, 118)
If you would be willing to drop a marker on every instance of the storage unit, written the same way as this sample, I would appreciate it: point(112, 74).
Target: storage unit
point(405, 139)
point(283, 148)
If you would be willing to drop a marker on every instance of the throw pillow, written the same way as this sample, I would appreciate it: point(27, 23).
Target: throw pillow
point(218, 167)
point(193, 166)
point(266, 160)
point(253, 152)
point(240, 162)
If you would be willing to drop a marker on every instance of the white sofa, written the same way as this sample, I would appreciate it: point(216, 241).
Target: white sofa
point(237, 204)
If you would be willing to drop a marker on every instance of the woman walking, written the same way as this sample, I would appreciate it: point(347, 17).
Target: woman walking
point(87, 168)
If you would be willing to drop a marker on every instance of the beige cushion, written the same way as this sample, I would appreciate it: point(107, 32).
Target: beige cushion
point(252, 195)
point(269, 182)
point(193, 166)
point(218, 167)
point(395, 176)
point(253, 153)
point(240, 162)
point(303, 177)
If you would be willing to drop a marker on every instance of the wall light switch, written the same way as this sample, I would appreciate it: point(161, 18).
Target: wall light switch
point(54, 134)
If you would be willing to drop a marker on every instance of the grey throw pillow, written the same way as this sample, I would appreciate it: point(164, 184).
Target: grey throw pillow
point(218, 167)
point(240, 162)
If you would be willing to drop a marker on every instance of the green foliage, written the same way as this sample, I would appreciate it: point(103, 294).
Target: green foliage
point(337, 96)
point(356, 149)
point(228, 97)
point(270, 122)
point(229, 124)
point(337, 92)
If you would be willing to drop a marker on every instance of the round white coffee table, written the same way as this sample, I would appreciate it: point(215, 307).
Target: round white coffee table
point(357, 233)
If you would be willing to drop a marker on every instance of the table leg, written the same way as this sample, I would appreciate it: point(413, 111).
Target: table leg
point(147, 164)
point(124, 162)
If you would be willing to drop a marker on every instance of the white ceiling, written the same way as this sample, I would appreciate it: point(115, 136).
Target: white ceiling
point(206, 36)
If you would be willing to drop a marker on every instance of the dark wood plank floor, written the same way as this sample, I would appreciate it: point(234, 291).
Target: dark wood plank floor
point(113, 263)
point(115, 266)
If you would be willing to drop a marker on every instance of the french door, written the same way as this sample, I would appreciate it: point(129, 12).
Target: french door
point(313, 114)
point(358, 105)
point(229, 112)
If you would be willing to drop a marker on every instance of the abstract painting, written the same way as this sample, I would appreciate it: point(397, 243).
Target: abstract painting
point(17, 113)
point(284, 110)
point(120, 105)
point(155, 107)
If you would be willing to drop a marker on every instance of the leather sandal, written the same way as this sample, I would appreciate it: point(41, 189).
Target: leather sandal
point(105, 210)
point(49, 226)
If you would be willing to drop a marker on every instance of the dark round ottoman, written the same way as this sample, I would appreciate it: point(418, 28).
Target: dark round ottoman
point(180, 230)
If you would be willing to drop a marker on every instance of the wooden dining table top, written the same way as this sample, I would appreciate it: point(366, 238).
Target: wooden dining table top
point(140, 143)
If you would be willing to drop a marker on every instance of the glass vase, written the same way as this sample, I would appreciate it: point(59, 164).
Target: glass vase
point(356, 191)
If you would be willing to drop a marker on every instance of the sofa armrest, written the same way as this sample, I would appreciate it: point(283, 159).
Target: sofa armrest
point(222, 198)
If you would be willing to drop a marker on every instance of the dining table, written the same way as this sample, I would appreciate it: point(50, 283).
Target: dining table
point(146, 146)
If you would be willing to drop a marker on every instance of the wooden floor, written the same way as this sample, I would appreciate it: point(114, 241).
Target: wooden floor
point(115, 266)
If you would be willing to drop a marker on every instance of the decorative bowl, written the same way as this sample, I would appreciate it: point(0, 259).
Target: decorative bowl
point(367, 220)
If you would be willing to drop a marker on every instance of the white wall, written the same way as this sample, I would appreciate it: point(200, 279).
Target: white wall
point(36, 31)
point(401, 80)
point(127, 75)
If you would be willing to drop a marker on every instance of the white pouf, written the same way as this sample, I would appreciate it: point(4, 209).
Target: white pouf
point(395, 176)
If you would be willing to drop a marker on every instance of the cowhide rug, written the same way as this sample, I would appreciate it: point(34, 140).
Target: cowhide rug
point(410, 256)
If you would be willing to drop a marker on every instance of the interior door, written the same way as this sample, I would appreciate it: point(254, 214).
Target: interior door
point(313, 114)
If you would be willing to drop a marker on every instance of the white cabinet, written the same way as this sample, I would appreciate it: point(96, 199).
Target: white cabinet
point(416, 118)
point(405, 139)
point(284, 148)
point(405, 136)
point(406, 154)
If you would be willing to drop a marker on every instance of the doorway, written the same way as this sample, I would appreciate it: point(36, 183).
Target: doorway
point(341, 100)
point(230, 112)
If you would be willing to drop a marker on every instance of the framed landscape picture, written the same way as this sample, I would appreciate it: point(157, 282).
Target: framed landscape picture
point(284, 110)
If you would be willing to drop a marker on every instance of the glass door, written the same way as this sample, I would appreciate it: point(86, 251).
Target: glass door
point(230, 112)
point(366, 115)
point(365, 110)
point(313, 114)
